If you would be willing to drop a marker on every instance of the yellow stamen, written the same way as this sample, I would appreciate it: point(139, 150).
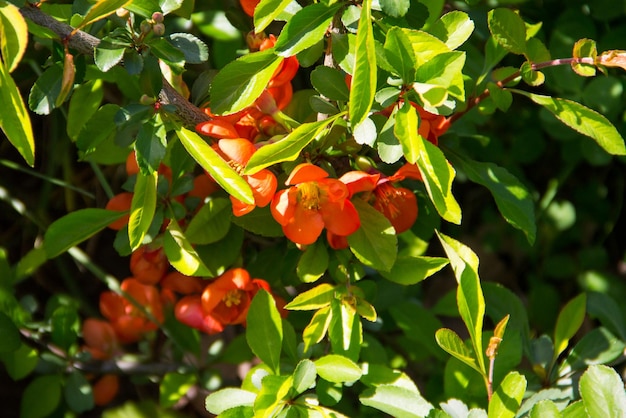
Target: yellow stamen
point(232, 297)
point(309, 195)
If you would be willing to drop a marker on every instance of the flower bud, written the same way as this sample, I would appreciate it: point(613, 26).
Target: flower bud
point(158, 29)
point(145, 27)
point(157, 17)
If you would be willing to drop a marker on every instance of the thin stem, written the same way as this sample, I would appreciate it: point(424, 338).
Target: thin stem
point(492, 361)
point(502, 83)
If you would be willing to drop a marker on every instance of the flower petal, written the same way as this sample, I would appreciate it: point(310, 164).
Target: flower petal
point(284, 206)
point(340, 218)
point(306, 172)
point(239, 149)
point(305, 226)
point(263, 184)
point(359, 181)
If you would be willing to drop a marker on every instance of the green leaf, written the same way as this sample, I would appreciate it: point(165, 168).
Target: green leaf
point(584, 48)
point(602, 391)
point(224, 399)
point(575, 410)
point(583, 120)
point(446, 71)
point(318, 297)
point(241, 82)
point(264, 331)
point(507, 399)
point(289, 147)
point(266, 12)
point(570, 319)
point(195, 51)
point(84, 103)
point(598, 346)
point(97, 129)
point(330, 83)
point(508, 29)
point(452, 344)
point(142, 208)
point(168, 6)
point(75, 227)
point(41, 396)
point(100, 10)
point(21, 362)
point(317, 327)
point(107, 55)
point(151, 145)
point(219, 169)
point(65, 325)
point(425, 46)
point(304, 376)
point(44, 93)
point(13, 36)
point(14, 118)
point(10, 334)
point(605, 308)
point(338, 369)
point(514, 201)
point(545, 409)
point(375, 243)
point(395, 8)
point(438, 176)
point(502, 98)
point(173, 387)
point(260, 221)
point(78, 392)
point(305, 28)
point(167, 52)
point(272, 396)
point(408, 270)
point(396, 401)
point(363, 86)
point(470, 299)
point(400, 55)
point(345, 329)
point(180, 253)
point(453, 28)
point(313, 262)
point(405, 129)
point(211, 223)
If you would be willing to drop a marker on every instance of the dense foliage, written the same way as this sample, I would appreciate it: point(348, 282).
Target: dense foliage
point(277, 208)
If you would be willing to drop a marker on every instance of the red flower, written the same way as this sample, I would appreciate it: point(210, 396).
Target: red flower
point(148, 266)
point(100, 338)
point(263, 183)
point(314, 202)
point(128, 321)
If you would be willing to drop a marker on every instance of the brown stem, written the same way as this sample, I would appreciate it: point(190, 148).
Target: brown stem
point(85, 43)
point(535, 67)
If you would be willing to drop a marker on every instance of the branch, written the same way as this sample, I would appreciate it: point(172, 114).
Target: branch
point(85, 43)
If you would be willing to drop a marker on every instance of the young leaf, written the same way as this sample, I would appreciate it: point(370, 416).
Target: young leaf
point(336, 368)
point(180, 253)
point(425, 46)
point(345, 330)
point(451, 343)
point(470, 299)
point(602, 391)
point(513, 200)
point(507, 399)
point(13, 36)
point(289, 147)
point(75, 227)
point(453, 28)
point(317, 328)
point(508, 29)
point(396, 401)
point(304, 376)
point(142, 208)
point(363, 86)
point(408, 270)
point(583, 120)
point(570, 319)
point(438, 176)
point(266, 12)
point(241, 82)
point(305, 28)
point(67, 80)
point(400, 55)
point(264, 331)
point(100, 10)
point(14, 119)
point(405, 130)
point(545, 409)
point(318, 297)
point(375, 243)
point(444, 71)
point(219, 169)
point(224, 399)
point(584, 48)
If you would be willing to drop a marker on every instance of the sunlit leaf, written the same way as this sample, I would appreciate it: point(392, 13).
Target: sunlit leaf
point(13, 36)
point(264, 331)
point(100, 10)
point(363, 86)
point(142, 208)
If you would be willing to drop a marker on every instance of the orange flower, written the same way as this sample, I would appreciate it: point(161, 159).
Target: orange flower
point(314, 202)
point(128, 321)
point(224, 301)
point(263, 183)
point(176, 282)
point(431, 126)
point(105, 389)
point(398, 204)
point(120, 202)
point(100, 338)
point(148, 266)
